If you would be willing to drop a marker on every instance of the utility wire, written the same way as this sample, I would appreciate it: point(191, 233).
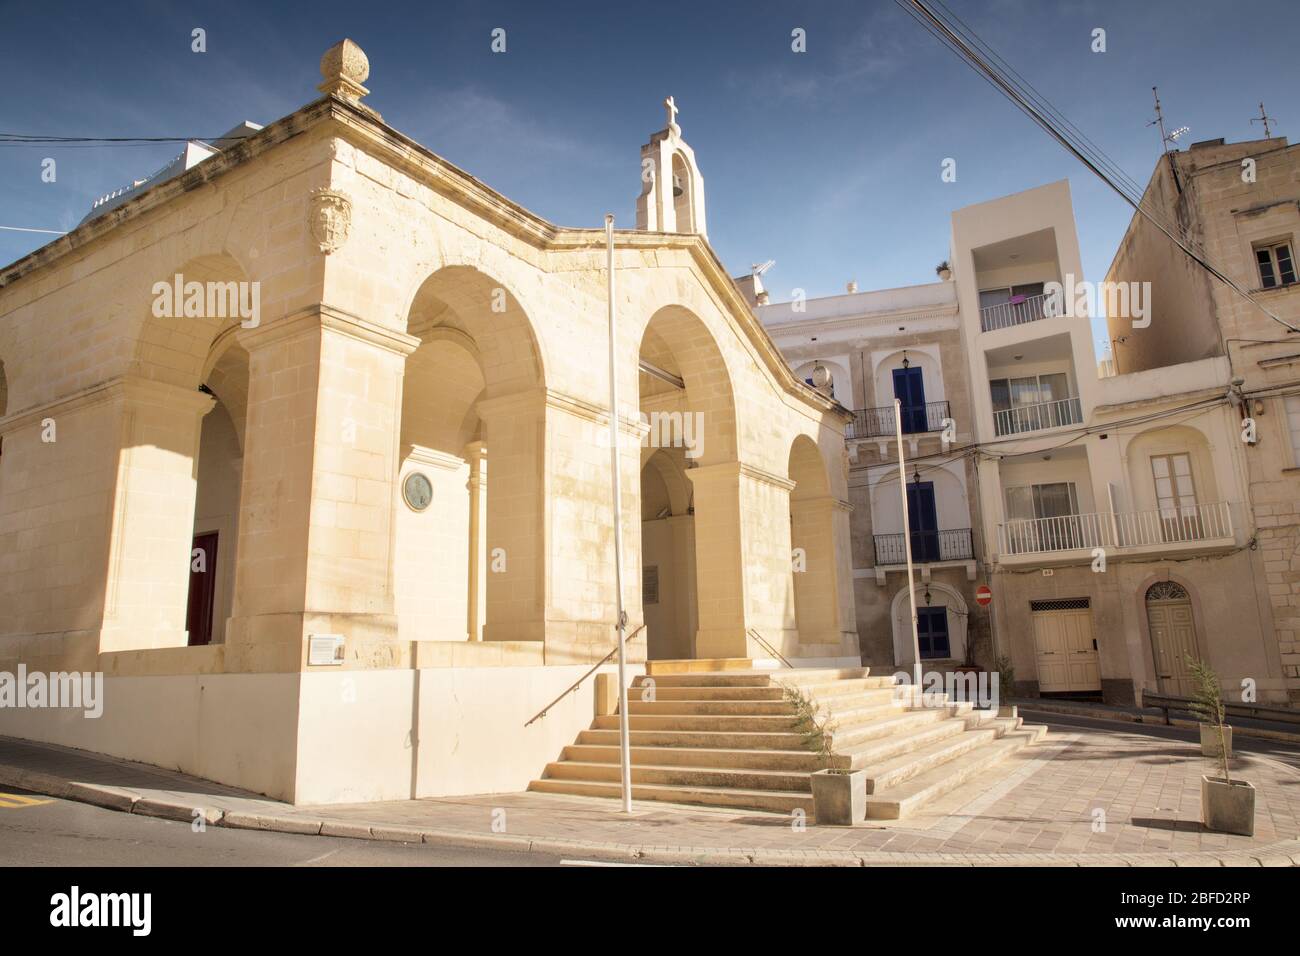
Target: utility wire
point(965, 47)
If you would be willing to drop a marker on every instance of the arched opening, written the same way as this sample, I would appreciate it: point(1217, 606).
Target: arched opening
point(690, 530)
point(1172, 625)
point(668, 588)
point(942, 616)
point(812, 511)
point(174, 540)
point(683, 194)
point(218, 474)
point(469, 552)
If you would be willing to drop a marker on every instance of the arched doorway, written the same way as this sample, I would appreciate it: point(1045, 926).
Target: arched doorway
point(470, 547)
point(812, 540)
point(686, 399)
point(219, 479)
point(1172, 625)
point(668, 590)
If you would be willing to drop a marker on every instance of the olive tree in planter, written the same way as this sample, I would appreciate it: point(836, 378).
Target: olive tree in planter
point(839, 794)
point(943, 270)
point(1227, 805)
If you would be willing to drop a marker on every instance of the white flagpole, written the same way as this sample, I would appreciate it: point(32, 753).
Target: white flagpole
point(907, 543)
point(624, 736)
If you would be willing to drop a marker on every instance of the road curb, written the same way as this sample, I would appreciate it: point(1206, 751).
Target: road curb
point(1037, 706)
point(1283, 853)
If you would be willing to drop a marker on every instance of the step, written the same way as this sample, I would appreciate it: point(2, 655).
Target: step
point(904, 800)
point(690, 666)
point(742, 679)
point(772, 800)
point(843, 687)
point(900, 722)
point(685, 740)
point(714, 757)
point(872, 753)
point(714, 722)
point(707, 692)
point(678, 776)
point(895, 770)
point(739, 708)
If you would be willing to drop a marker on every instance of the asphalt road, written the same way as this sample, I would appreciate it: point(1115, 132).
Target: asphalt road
point(63, 833)
point(1286, 753)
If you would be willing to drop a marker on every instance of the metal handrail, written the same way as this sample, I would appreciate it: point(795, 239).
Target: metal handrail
point(879, 422)
point(948, 544)
point(1029, 309)
point(1032, 418)
point(578, 683)
point(768, 647)
point(1209, 521)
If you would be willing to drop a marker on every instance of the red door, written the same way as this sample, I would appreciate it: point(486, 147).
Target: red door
point(203, 588)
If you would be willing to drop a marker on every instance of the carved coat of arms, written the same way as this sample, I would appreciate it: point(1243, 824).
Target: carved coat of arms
point(330, 216)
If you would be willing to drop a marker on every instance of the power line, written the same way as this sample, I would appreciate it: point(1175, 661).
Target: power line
point(964, 45)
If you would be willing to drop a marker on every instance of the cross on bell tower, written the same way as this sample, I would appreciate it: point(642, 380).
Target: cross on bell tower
point(672, 189)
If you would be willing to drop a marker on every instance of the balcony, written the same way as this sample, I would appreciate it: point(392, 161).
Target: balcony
point(1020, 310)
point(927, 546)
point(1032, 418)
point(879, 422)
point(1191, 527)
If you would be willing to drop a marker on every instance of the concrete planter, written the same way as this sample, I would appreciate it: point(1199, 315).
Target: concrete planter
point(1228, 807)
point(1210, 741)
point(839, 799)
point(1008, 710)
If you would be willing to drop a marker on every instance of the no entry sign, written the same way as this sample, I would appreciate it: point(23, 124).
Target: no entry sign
point(983, 596)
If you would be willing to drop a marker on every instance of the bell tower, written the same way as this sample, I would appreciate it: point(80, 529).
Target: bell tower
point(672, 189)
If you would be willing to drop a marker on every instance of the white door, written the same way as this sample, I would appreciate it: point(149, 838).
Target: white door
point(1066, 651)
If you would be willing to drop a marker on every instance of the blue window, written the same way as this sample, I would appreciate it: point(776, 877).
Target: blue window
point(932, 632)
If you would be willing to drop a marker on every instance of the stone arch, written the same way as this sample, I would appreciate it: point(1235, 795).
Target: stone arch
point(473, 392)
point(465, 299)
point(175, 341)
point(812, 538)
point(900, 616)
point(683, 192)
point(1142, 601)
point(1165, 440)
point(700, 407)
point(668, 572)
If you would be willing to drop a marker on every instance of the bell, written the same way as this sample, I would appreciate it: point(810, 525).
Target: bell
point(677, 186)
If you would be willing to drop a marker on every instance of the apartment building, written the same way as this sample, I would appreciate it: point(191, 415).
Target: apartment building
point(1108, 515)
point(1239, 205)
point(864, 349)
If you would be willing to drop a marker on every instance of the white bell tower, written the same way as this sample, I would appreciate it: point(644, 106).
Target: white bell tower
point(672, 189)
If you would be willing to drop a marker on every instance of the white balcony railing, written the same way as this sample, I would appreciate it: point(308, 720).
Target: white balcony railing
point(1031, 308)
point(1125, 529)
point(1031, 418)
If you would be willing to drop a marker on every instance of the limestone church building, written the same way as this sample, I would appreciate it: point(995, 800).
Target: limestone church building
point(304, 447)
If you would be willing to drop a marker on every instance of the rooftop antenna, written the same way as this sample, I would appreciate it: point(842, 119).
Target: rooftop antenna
point(1265, 119)
point(1166, 139)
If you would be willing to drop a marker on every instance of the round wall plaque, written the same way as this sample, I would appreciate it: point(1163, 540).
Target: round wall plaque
point(417, 490)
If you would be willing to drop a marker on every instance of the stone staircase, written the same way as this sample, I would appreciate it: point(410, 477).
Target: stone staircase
point(731, 738)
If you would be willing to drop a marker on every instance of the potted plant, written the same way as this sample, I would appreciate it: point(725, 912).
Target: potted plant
point(1227, 805)
point(1006, 682)
point(839, 794)
point(943, 270)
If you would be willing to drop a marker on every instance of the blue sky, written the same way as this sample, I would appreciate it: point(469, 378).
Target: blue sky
point(827, 161)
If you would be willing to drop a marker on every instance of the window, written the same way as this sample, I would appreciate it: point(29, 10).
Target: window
point(1176, 497)
point(932, 632)
point(1031, 402)
point(1276, 266)
point(1046, 518)
point(1010, 295)
point(1292, 405)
